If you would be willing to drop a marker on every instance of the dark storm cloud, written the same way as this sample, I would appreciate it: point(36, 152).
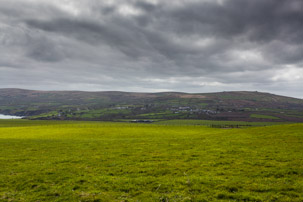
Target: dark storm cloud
point(261, 21)
point(153, 45)
point(119, 33)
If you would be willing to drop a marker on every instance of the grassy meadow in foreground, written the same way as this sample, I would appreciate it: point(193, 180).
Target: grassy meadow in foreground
point(93, 161)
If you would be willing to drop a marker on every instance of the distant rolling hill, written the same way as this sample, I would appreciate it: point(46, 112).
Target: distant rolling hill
point(114, 105)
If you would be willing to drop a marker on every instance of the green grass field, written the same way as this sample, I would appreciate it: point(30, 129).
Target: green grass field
point(180, 122)
point(261, 116)
point(99, 161)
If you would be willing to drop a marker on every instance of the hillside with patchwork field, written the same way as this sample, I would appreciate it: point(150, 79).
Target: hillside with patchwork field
point(113, 106)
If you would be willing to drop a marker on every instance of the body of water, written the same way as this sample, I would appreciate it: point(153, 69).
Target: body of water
point(2, 116)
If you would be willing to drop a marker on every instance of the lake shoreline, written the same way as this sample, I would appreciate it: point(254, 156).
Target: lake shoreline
point(4, 116)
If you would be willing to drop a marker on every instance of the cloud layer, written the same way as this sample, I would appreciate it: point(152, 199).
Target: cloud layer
point(136, 45)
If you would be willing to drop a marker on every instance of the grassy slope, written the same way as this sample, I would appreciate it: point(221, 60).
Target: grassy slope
point(261, 116)
point(211, 122)
point(90, 161)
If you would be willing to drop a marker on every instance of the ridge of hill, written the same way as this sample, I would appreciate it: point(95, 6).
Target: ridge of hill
point(113, 105)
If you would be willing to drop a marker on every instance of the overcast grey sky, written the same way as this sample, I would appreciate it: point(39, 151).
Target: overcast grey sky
point(152, 45)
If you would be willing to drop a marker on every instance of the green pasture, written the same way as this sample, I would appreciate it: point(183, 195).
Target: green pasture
point(262, 116)
point(106, 161)
point(180, 122)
